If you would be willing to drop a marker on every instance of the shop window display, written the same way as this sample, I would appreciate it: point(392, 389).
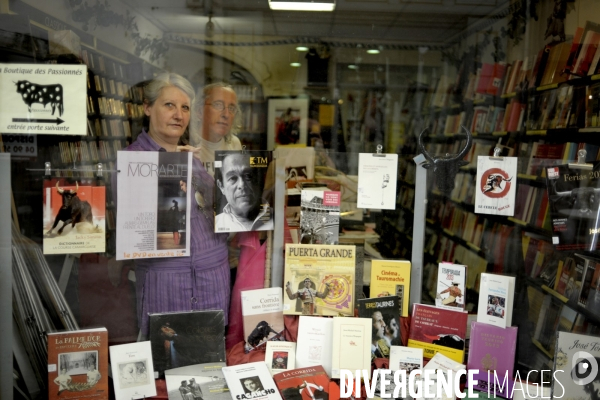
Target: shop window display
point(310, 92)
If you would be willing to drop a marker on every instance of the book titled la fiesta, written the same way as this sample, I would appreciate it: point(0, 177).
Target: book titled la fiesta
point(438, 330)
point(78, 364)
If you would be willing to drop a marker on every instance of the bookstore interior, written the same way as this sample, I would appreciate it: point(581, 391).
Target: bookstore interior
point(344, 165)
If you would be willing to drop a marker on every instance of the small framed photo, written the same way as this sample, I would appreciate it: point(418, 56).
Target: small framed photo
point(287, 122)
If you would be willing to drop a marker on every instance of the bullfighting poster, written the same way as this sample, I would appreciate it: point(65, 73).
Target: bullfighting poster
point(496, 185)
point(74, 218)
point(46, 99)
point(377, 175)
point(153, 208)
point(573, 201)
point(319, 280)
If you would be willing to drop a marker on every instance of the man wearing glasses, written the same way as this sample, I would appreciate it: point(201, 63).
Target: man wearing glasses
point(215, 122)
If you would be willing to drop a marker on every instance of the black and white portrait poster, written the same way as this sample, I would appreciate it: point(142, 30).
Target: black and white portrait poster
point(377, 175)
point(573, 199)
point(496, 185)
point(153, 210)
point(244, 191)
point(46, 99)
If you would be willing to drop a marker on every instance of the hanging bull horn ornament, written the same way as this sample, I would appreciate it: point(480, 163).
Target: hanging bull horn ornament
point(445, 167)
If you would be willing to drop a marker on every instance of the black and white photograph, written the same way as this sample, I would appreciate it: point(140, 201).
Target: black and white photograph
point(408, 367)
point(495, 306)
point(319, 216)
point(244, 191)
point(132, 374)
point(78, 363)
point(171, 203)
point(252, 384)
point(197, 382)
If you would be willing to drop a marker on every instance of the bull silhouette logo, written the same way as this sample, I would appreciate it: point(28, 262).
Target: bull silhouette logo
point(495, 183)
point(33, 94)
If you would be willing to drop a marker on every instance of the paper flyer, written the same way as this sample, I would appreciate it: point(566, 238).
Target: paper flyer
point(496, 185)
point(573, 203)
point(377, 175)
point(152, 209)
point(47, 99)
point(74, 219)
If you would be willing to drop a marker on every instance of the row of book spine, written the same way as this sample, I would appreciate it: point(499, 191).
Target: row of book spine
point(109, 128)
point(113, 88)
point(104, 65)
point(84, 152)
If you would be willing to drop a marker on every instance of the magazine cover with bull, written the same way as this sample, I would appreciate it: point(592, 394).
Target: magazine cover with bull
point(573, 198)
point(74, 218)
point(319, 280)
point(496, 185)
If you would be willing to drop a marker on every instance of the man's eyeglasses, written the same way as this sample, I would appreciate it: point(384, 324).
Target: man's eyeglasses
point(220, 106)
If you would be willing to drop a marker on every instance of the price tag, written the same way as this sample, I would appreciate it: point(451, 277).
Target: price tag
point(20, 145)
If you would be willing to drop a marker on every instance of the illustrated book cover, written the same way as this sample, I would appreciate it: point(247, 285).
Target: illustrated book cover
point(78, 364)
point(386, 323)
point(576, 366)
point(406, 358)
point(320, 216)
point(492, 349)
point(310, 383)
point(156, 226)
point(319, 279)
point(251, 381)
point(377, 177)
point(205, 381)
point(496, 185)
point(351, 344)
point(74, 219)
point(280, 356)
point(314, 343)
point(573, 203)
point(496, 297)
point(451, 288)
point(132, 370)
point(186, 338)
point(389, 278)
point(262, 311)
point(243, 191)
point(436, 330)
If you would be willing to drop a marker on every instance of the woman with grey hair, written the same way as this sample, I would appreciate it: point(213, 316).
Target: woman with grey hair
point(200, 281)
point(216, 118)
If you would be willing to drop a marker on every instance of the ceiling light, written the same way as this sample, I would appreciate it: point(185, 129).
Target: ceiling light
point(352, 66)
point(295, 64)
point(373, 51)
point(302, 5)
point(302, 48)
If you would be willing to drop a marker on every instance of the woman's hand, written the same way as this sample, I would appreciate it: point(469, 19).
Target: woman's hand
point(189, 148)
point(194, 150)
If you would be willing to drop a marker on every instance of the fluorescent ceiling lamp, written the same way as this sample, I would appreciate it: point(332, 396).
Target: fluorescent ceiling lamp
point(302, 5)
point(373, 51)
point(295, 64)
point(352, 66)
point(301, 48)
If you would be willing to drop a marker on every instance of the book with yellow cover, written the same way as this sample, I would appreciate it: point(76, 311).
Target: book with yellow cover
point(319, 279)
point(391, 278)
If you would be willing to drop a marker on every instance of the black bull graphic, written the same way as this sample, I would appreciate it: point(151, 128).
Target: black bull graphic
point(445, 167)
point(32, 94)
